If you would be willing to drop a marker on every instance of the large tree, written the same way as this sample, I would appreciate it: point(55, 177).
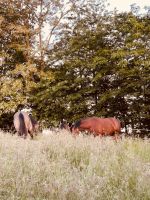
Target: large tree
point(100, 68)
point(27, 30)
point(131, 53)
point(73, 62)
point(75, 59)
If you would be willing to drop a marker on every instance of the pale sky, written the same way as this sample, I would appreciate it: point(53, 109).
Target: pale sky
point(124, 5)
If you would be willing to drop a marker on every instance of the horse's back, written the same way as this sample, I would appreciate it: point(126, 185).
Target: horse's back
point(100, 125)
point(22, 118)
point(109, 125)
point(19, 123)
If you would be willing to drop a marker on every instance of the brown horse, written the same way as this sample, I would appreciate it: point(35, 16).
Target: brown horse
point(24, 124)
point(98, 126)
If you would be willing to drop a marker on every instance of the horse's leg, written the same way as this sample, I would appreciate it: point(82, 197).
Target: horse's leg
point(30, 129)
point(18, 133)
point(116, 136)
point(75, 132)
point(25, 135)
point(100, 136)
point(31, 134)
point(75, 135)
point(36, 133)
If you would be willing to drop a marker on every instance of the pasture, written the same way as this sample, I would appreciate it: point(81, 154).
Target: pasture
point(61, 167)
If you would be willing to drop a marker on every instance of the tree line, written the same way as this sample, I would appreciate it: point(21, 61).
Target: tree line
point(75, 59)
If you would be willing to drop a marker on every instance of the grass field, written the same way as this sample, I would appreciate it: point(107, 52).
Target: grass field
point(58, 166)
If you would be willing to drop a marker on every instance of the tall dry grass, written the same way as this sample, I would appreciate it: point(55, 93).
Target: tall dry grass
point(58, 166)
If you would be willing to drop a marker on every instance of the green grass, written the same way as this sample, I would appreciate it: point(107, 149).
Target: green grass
point(59, 166)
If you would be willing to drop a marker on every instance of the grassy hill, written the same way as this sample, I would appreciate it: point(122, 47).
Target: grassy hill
point(58, 166)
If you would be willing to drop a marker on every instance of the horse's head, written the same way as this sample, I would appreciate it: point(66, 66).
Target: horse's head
point(74, 129)
point(65, 125)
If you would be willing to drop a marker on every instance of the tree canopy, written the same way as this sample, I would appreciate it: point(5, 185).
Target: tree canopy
point(75, 60)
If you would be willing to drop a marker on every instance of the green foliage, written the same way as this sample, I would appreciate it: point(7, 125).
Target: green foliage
point(98, 63)
point(15, 39)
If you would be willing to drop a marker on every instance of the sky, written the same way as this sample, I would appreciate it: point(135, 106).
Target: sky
point(124, 5)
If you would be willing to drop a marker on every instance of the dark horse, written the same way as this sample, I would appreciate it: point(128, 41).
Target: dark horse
point(25, 124)
point(64, 125)
point(98, 126)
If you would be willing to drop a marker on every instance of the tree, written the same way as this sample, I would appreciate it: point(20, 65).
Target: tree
point(131, 57)
point(91, 62)
point(16, 24)
point(71, 62)
point(100, 68)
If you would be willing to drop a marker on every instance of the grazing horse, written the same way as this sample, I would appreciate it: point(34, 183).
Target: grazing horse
point(98, 126)
point(24, 124)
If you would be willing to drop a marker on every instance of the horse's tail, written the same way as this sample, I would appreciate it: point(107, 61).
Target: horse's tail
point(22, 127)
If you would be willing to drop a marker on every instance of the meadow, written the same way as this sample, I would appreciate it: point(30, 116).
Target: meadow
point(58, 166)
